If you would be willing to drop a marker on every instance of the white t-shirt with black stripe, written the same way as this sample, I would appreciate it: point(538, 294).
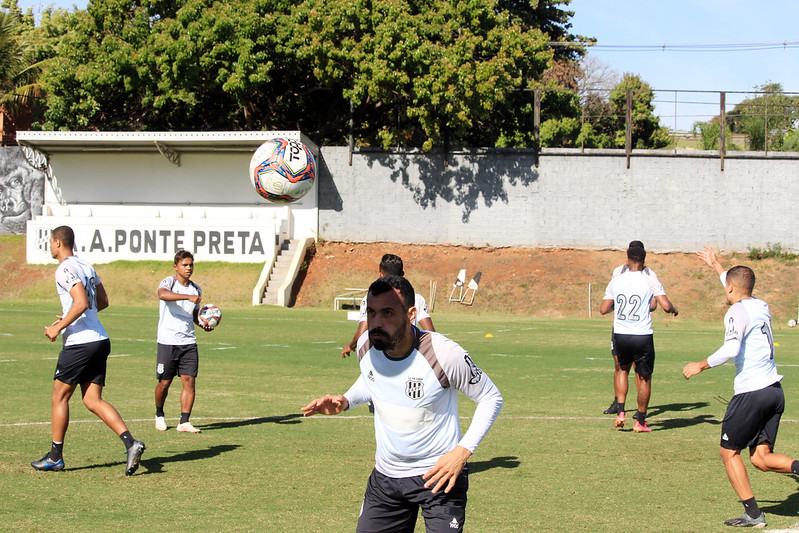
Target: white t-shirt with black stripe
point(416, 402)
point(632, 293)
point(87, 327)
point(176, 318)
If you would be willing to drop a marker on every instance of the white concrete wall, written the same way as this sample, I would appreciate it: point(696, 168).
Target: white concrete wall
point(570, 200)
point(136, 206)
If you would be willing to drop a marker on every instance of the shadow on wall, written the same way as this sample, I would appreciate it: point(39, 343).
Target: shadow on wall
point(466, 179)
point(329, 197)
point(21, 191)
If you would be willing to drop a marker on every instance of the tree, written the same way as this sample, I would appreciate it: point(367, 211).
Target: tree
point(431, 74)
point(766, 118)
point(26, 49)
point(646, 131)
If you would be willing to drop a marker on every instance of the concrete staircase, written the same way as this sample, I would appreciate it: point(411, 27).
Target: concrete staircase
point(285, 268)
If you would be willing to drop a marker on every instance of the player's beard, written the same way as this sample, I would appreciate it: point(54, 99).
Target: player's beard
point(387, 342)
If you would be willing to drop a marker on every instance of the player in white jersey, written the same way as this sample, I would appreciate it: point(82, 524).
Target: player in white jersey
point(753, 414)
point(178, 303)
point(390, 265)
point(84, 356)
point(630, 295)
point(413, 378)
point(621, 269)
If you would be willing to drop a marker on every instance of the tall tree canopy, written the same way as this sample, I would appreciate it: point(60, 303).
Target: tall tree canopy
point(415, 73)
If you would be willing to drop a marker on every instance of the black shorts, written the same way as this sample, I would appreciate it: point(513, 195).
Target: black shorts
point(753, 418)
point(612, 344)
point(83, 363)
point(180, 360)
point(638, 349)
point(392, 504)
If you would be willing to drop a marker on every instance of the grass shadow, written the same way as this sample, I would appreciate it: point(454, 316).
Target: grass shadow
point(676, 407)
point(787, 507)
point(154, 465)
point(679, 423)
point(293, 418)
point(507, 461)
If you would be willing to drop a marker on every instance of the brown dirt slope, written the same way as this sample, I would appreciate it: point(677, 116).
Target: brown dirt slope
point(539, 282)
point(535, 282)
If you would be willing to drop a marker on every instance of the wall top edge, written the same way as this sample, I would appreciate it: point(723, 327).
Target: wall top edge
point(137, 141)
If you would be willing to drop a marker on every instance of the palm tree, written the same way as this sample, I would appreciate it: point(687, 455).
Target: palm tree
point(19, 86)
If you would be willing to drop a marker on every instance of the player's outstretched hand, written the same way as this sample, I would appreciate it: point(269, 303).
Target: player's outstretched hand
point(692, 369)
point(446, 470)
point(345, 352)
point(326, 405)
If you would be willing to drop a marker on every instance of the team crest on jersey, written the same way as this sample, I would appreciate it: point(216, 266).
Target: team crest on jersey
point(475, 373)
point(414, 388)
point(371, 376)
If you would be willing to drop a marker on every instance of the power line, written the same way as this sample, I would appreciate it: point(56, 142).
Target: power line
point(678, 47)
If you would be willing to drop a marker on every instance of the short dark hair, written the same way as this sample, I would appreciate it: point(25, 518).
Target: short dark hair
point(183, 254)
point(743, 277)
point(65, 235)
point(636, 244)
point(387, 283)
point(391, 265)
point(636, 254)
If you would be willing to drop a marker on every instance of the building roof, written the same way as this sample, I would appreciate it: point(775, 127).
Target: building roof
point(49, 142)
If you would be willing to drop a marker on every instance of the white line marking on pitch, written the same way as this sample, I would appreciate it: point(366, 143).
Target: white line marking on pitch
point(8, 361)
point(356, 417)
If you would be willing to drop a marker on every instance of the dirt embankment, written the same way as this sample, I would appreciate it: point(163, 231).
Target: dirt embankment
point(536, 282)
point(539, 282)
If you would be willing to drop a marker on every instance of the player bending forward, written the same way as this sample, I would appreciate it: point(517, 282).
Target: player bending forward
point(413, 378)
point(753, 415)
point(83, 359)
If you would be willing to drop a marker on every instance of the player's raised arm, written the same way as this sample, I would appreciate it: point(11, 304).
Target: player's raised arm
point(709, 256)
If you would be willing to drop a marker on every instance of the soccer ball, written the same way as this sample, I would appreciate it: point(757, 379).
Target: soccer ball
point(209, 316)
point(282, 170)
point(791, 323)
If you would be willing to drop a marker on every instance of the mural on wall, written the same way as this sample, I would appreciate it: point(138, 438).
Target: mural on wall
point(21, 191)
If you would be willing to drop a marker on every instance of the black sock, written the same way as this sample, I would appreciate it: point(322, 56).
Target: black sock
point(641, 417)
point(56, 451)
point(751, 508)
point(184, 417)
point(159, 411)
point(795, 467)
point(127, 439)
point(621, 406)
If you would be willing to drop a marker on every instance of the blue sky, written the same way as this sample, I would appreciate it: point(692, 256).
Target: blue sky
point(695, 22)
point(676, 22)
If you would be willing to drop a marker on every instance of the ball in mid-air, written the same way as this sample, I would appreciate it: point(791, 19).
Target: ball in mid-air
point(282, 170)
point(791, 323)
point(209, 316)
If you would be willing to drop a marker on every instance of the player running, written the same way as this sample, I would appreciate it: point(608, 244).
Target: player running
point(83, 359)
point(631, 295)
point(621, 269)
point(413, 378)
point(753, 415)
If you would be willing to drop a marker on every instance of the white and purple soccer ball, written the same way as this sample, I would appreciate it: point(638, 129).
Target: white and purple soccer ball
point(282, 170)
point(209, 316)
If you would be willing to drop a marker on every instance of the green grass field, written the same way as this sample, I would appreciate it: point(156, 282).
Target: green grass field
point(552, 461)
